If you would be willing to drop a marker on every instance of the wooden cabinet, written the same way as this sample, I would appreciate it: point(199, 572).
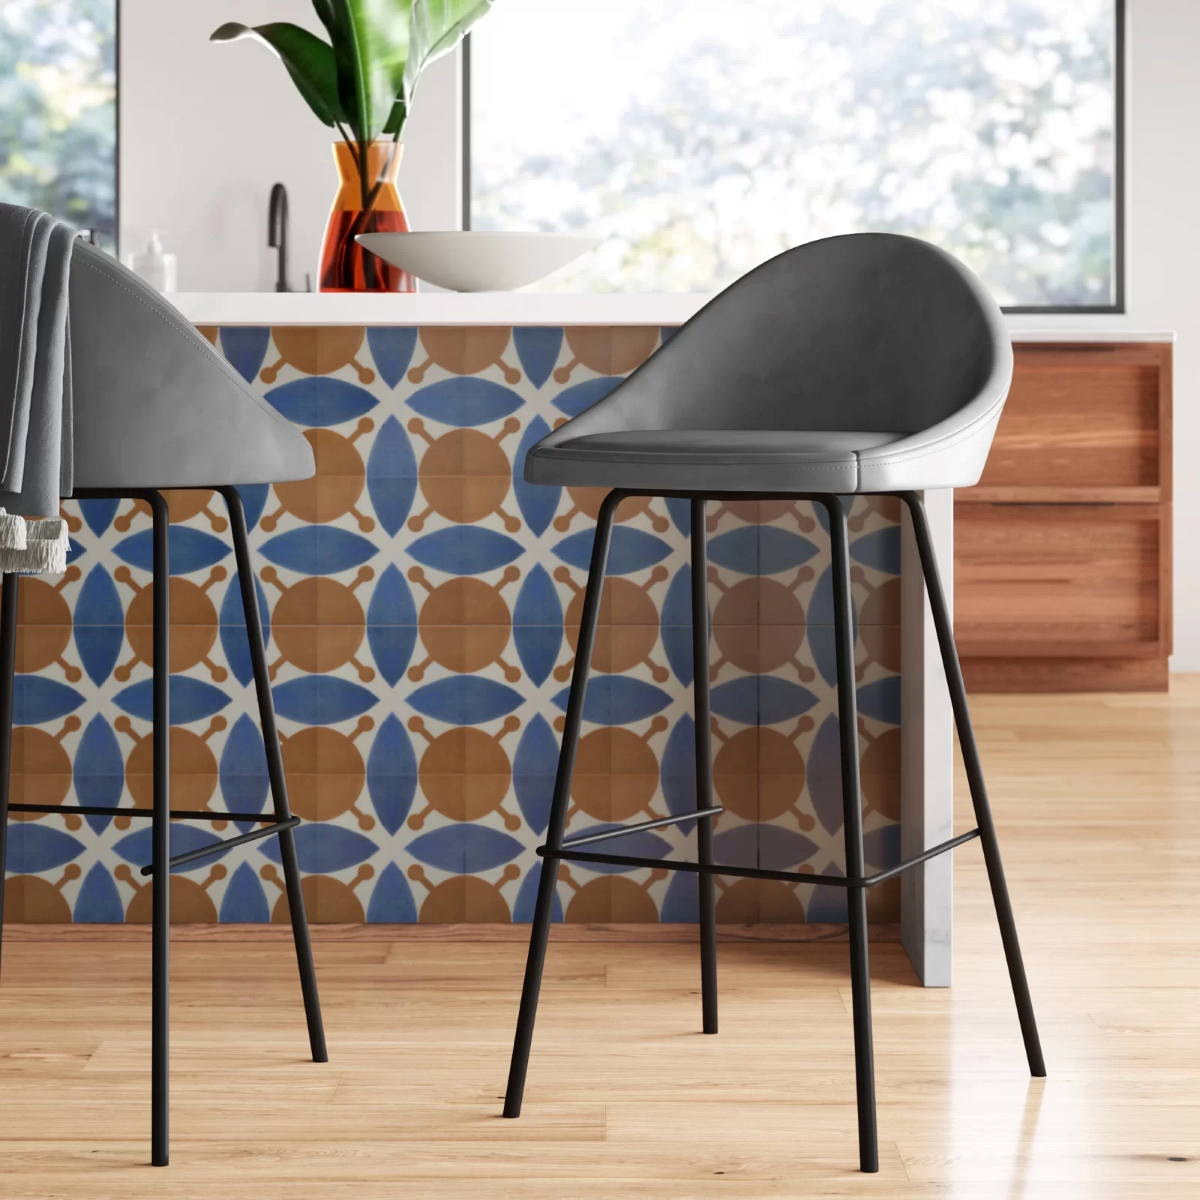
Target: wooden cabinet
point(1063, 551)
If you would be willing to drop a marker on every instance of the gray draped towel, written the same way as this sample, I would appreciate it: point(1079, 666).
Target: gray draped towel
point(35, 388)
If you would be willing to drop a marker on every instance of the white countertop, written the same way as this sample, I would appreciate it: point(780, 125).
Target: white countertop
point(436, 308)
point(547, 308)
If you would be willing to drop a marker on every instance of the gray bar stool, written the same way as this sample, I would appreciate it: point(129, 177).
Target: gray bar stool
point(870, 363)
point(155, 407)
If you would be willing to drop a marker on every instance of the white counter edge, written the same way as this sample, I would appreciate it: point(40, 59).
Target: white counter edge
point(544, 308)
point(436, 308)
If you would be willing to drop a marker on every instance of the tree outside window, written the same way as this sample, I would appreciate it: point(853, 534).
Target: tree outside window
point(58, 110)
point(703, 136)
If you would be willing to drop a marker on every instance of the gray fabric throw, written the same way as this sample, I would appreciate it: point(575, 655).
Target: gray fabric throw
point(35, 392)
point(35, 262)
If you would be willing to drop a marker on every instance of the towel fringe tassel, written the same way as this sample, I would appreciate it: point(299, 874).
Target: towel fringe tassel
point(38, 547)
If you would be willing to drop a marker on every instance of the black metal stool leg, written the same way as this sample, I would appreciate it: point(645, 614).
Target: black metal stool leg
point(704, 830)
point(8, 666)
point(979, 797)
point(544, 910)
point(160, 1002)
point(266, 712)
point(856, 897)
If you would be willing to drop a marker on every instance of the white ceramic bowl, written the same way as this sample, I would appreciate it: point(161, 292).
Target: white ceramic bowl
point(477, 260)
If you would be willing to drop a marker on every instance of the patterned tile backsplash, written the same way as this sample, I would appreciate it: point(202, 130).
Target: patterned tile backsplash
point(423, 603)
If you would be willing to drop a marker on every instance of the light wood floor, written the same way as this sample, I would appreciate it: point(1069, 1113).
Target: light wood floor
point(1097, 800)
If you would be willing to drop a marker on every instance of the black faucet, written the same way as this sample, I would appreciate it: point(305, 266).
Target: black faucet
point(277, 233)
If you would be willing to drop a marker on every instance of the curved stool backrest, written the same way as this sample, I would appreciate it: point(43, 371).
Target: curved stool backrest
point(154, 403)
point(867, 332)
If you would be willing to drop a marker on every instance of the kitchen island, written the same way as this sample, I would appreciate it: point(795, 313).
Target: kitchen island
point(423, 601)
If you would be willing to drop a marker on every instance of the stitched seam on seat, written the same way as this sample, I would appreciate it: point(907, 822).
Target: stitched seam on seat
point(184, 330)
point(850, 465)
point(942, 444)
point(560, 453)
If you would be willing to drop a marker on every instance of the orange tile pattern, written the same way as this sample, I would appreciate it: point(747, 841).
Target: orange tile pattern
point(423, 604)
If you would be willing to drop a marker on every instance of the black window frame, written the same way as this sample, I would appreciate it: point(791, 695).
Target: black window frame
point(1118, 305)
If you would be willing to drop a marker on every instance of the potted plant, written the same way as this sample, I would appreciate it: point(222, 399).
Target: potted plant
point(361, 83)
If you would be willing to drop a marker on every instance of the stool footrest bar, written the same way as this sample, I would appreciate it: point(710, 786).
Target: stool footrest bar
point(585, 839)
point(177, 814)
point(932, 852)
point(569, 854)
point(674, 864)
point(228, 844)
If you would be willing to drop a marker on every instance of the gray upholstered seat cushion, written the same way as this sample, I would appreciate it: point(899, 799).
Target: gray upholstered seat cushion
point(155, 404)
point(767, 459)
point(865, 363)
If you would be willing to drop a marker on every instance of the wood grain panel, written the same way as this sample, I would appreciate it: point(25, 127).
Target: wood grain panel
point(1080, 417)
point(1057, 580)
point(1063, 551)
point(1048, 675)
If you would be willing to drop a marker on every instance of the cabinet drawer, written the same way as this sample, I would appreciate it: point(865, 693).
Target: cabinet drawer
point(1057, 579)
point(1081, 417)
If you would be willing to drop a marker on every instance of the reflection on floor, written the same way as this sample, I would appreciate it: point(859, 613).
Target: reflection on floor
point(1097, 804)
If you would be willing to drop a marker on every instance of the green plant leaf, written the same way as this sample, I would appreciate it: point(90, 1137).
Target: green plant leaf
point(324, 10)
point(309, 61)
point(396, 118)
point(370, 42)
point(367, 77)
point(437, 27)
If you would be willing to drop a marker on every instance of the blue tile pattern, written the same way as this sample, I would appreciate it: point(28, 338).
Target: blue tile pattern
point(423, 604)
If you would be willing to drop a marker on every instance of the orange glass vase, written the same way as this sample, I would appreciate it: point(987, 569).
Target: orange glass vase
point(370, 206)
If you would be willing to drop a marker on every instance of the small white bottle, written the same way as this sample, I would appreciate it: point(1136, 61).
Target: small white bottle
point(158, 269)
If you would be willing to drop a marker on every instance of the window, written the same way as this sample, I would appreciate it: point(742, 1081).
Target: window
point(58, 110)
point(700, 137)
